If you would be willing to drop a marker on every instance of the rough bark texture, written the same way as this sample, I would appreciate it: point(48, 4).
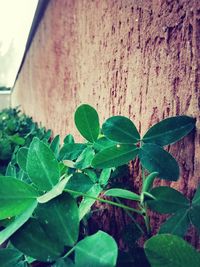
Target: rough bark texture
point(140, 59)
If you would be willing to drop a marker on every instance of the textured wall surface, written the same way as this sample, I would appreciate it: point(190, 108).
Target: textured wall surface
point(140, 59)
point(5, 99)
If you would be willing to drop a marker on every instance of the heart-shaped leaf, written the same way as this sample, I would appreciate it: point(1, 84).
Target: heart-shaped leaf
point(42, 166)
point(87, 122)
point(15, 196)
point(170, 251)
point(156, 159)
point(167, 200)
point(120, 129)
point(169, 130)
point(115, 156)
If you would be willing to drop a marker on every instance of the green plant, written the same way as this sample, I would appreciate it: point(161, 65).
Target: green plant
point(53, 201)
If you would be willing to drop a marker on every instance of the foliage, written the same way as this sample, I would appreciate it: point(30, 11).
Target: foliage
point(48, 191)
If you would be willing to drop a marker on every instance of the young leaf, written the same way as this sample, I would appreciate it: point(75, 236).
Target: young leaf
point(55, 145)
point(69, 139)
point(177, 224)
point(148, 182)
point(11, 170)
point(169, 130)
point(60, 217)
point(87, 122)
point(85, 158)
point(120, 129)
point(17, 223)
point(115, 156)
point(167, 200)
point(170, 251)
point(87, 202)
point(22, 158)
point(9, 257)
point(15, 196)
point(33, 241)
point(104, 176)
point(103, 143)
point(155, 159)
point(71, 151)
point(118, 192)
point(42, 166)
point(98, 250)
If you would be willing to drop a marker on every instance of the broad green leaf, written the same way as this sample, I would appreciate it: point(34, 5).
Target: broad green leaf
point(42, 166)
point(120, 129)
point(196, 198)
point(33, 241)
point(55, 145)
point(92, 174)
point(15, 196)
point(167, 250)
point(87, 202)
point(115, 156)
point(79, 182)
point(22, 158)
point(98, 250)
point(9, 257)
point(17, 223)
point(85, 159)
point(71, 151)
point(168, 200)
point(60, 218)
point(11, 170)
point(156, 159)
point(169, 130)
point(194, 215)
point(177, 224)
point(55, 191)
point(104, 176)
point(87, 122)
point(122, 193)
point(148, 182)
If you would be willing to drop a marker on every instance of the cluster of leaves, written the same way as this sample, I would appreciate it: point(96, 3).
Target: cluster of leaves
point(16, 130)
point(4, 88)
point(45, 209)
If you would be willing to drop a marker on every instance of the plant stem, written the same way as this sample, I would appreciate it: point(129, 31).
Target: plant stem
point(132, 218)
point(105, 201)
point(69, 252)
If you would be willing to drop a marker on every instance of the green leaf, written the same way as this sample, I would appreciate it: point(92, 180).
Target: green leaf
point(55, 145)
point(87, 122)
point(167, 250)
point(79, 182)
point(155, 159)
point(69, 139)
point(71, 151)
point(168, 200)
point(117, 192)
point(194, 215)
point(85, 159)
point(42, 166)
point(104, 176)
point(148, 182)
point(177, 224)
point(17, 223)
point(196, 198)
point(60, 218)
point(33, 241)
point(9, 257)
point(87, 202)
point(17, 139)
point(98, 250)
point(15, 196)
point(103, 143)
point(169, 130)
point(11, 170)
point(22, 158)
point(115, 156)
point(120, 129)
point(64, 262)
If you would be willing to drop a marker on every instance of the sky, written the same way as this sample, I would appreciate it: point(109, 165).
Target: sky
point(16, 17)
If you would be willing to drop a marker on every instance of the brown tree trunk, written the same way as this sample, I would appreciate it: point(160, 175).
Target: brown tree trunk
point(140, 59)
